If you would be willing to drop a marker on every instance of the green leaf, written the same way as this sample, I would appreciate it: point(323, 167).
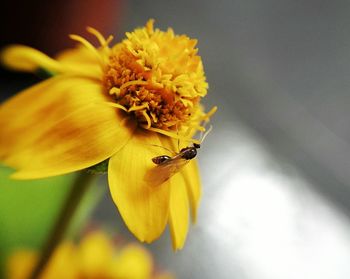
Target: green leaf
point(28, 210)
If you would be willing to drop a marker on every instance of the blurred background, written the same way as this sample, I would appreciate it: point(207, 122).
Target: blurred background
point(275, 169)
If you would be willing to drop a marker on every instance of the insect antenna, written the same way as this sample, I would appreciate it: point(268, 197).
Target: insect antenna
point(203, 136)
point(171, 151)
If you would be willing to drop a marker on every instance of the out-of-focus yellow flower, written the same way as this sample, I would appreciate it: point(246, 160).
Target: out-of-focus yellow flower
point(94, 258)
point(125, 103)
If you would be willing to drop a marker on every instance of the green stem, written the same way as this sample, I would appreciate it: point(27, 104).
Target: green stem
point(79, 188)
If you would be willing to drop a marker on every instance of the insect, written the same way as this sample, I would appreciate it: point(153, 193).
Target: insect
point(167, 166)
point(186, 153)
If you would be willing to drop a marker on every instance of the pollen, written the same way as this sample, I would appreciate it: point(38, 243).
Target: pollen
point(157, 76)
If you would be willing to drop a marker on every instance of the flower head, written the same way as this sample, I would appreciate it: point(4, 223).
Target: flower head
point(95, 257)
point(158, 76)
point(128, 103)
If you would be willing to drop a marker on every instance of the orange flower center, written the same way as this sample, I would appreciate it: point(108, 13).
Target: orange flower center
point(150, 103)
point(156, 76)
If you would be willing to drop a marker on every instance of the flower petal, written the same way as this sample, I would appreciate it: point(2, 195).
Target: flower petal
point(78, 56)
point(191, 175)
point(27, 59)
point(179, 211)
point(143, 206)
point(59, 126)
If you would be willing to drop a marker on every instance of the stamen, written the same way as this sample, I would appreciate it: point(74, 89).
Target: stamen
point(133, 82)
point(98, 35)
point(144, 113)
point(159, 78)
point(83, 41)
point(154, 117)
point(186, 102)
point(109, 39)
point(149, 26)
point(114, 90)
point(211, 112)
point(115, 105)
point(134, 108)
point(204, 117)
point(200, 128)
point(89, 46)
point(189, 131)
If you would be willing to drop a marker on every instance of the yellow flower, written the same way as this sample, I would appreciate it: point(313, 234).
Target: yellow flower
point(94, 258)
point(125, 103)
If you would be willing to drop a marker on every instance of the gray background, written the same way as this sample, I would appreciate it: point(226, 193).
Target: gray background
point(275, 169)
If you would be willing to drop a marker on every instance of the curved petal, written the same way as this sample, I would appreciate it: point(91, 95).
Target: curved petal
point(143, 206)
point(27, 59)
point(192, 178)
point(59, 126)
point(190, 173)
point(76, 56)
point(179, 211)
